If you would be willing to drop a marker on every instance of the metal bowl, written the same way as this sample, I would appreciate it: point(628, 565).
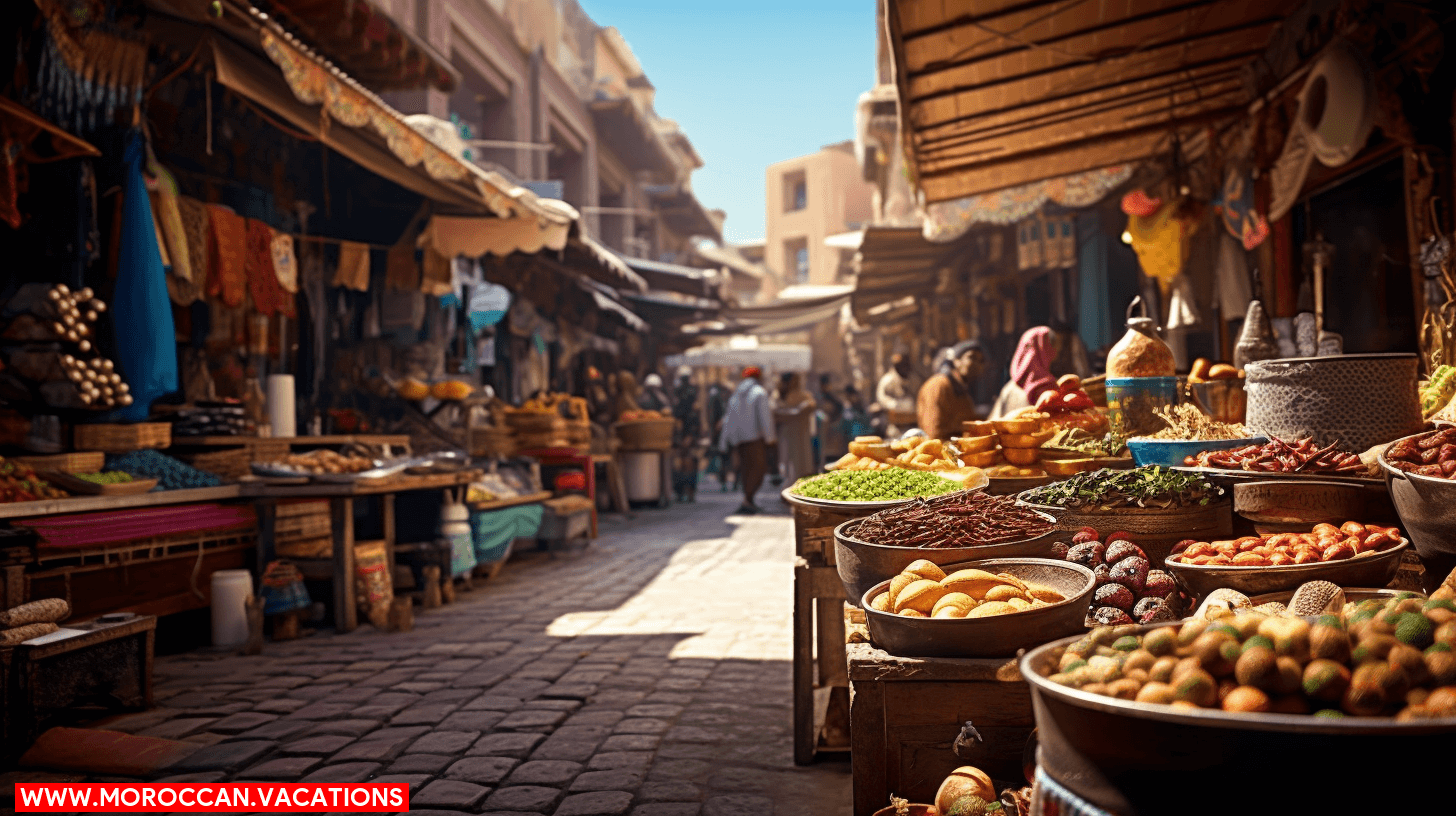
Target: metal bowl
point(861, 564)
point(1307, 503)
point(1377, 568)
point(998, 636)
point(1427, 509)
point(1107, 751)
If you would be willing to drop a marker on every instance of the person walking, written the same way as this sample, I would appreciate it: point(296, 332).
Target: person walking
point(748, 428)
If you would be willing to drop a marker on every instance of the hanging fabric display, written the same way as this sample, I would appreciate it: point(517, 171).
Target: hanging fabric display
point(435, 278)
point(227, 249)
point(268, 295)
point(1161, 243)
point(85, 75)
point(1231, 279)
point(401, 273)
point(285, 262)
point(193, 215)
point(146, 345)
point(353, 271)
point(1236, 203)
point(167, 211)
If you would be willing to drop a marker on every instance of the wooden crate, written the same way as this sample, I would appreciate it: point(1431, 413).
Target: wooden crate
point(119, 438)
point(906, 713)
point(75, 462)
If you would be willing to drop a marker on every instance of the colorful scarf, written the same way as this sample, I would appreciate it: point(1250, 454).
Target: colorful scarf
point(268, 296)
point(1031, 364)
point(227, 249)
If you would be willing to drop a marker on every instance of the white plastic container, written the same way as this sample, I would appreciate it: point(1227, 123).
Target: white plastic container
point(230, 588)
point(455, 530)
point(642, 471)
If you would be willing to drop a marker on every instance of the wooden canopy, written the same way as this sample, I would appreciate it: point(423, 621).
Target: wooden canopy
point(999, 93)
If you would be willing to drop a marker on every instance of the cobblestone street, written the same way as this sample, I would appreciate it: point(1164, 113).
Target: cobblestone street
point(649, 675)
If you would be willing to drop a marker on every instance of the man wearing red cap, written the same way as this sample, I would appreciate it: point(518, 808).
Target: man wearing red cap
point(748, 427)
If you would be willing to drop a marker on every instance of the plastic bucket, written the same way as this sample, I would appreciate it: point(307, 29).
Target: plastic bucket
point(642, 471)
point(230, 588)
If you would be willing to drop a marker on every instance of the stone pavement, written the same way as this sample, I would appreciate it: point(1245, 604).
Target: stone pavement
point(648, 675)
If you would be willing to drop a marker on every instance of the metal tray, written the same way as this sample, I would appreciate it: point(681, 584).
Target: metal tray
point(1373, 569)
point(861, 564)
point(833, 504)
point(999, 636)
point(1106, 750)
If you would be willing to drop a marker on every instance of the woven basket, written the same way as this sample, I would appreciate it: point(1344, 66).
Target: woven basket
point(646, 434)
point(230, 464)
point(116, 438)
point(77, 462)
point(492, 441)
point(533, 421)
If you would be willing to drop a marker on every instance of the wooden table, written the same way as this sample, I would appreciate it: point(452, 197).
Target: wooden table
point(341, 498)
point(82, 662)
point(906, 714)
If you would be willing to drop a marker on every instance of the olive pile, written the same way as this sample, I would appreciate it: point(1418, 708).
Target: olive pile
point(169, 473)
point(873, 485)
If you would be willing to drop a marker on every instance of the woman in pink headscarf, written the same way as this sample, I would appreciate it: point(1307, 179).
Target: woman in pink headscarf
point(1031, 372)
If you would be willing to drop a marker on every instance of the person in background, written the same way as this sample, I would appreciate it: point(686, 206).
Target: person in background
point(895, 395)
point(1072, 356)
point(1031, 374)
point(832, 445)
point(598, 398)
point(720, 458)
point(629, 394)
point(748, 429)
point(856, 417)
point(687, 436)
point(794, 412)
point(945, 399)
point(654, 396)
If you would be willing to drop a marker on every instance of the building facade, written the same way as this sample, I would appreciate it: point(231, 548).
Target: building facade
point(809, 199)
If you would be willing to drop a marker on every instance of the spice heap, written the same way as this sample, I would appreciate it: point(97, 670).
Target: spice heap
point(1150, 487)
point(1429, 454)
point(1325, 542)
point(1186, 422)
point(1080, 441)
point(1278, 456)
point(963, 519)
point(20, 483)
point(1384, 657)
point(873, 485)
point(169, 473)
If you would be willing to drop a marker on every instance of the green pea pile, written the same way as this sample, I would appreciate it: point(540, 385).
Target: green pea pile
point(873, 485)
point(106, 477)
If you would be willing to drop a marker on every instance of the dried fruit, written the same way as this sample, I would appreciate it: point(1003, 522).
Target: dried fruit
point(1088, 555)
point(1123, 548)
point(1110, 616)
point(1131, 572)
point(1114, 595)
point(1159, 584)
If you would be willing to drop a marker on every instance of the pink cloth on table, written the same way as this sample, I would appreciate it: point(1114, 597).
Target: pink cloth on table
point(1031, 364)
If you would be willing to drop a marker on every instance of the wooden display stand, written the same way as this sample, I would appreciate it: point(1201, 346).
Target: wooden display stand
point(907, 713)
point(821, 690)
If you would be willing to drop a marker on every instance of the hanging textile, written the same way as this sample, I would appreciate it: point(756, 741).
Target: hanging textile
point(353, 271)
point(227, 249)
point(1182, 304)
point(268, 295)
point(146, 346)
point(192, 215)
point(400, 270)
point(1240, 218)
point(1231, 279)
point(948, 220)
point(86, 75)
point(1094, 312)
point(168, 213)
point(436, 277)
point(1161, 243)
point(285, 262)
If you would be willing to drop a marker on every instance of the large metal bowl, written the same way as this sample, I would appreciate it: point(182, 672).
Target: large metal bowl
point(1427, 509)
point(861, 564)
point(1142, 759)
point(1307, 503)
point(998, 636)
point(1373, 569)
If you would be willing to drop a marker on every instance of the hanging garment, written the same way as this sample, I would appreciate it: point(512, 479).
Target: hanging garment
point(1240, 218)
point(1161, 243)
point(1231, 279)
point(1094, 310)
point(146, 344)
point(193, 215)
point(437, 274)
point(167, 211)
point(227, 250)
point(400, 270)
point(353, 271)
point(268, 295)
point(285, 262)
point(1182, 304)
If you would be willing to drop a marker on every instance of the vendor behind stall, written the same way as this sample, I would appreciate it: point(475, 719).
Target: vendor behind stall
point(895, 395)
point(1031, 373)
point(945, 400)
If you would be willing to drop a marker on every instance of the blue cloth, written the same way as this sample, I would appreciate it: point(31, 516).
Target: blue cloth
point(1094, 319)
point(146, 344)
point(496, 529)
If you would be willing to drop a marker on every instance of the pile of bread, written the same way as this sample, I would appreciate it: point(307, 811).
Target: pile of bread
point(916, 453)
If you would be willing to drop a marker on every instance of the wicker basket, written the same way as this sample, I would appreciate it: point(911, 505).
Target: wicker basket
point(492, 441)
point(646, 434)
point(229, 464)
point(116, 438)
point(533, 421)
point(77, 462)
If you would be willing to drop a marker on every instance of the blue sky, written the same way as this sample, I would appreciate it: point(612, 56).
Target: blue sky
point(751, 83)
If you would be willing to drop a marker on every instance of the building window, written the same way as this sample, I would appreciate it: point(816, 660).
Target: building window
point(796, 191)
point(796, 258)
